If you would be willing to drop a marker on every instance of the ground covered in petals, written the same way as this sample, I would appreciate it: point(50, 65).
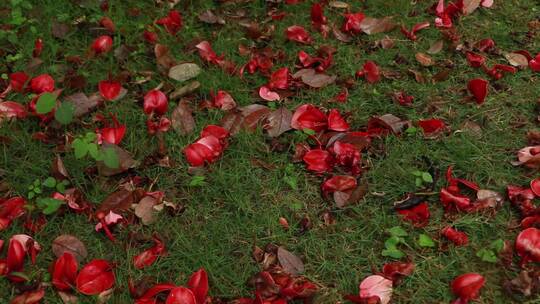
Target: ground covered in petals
point(269, 152)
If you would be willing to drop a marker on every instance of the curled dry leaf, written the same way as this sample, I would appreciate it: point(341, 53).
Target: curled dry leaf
point(436, 47)
point(145, 211)
point(290, 262)
point(372, 26)
point(71, 244)
point(314, 79)
point(185, 90)
point(517, 60)
point(182, 118)
point(278, 122)
point(424, 59)
point(184, 71)
point(126, 161)
point(83, 104)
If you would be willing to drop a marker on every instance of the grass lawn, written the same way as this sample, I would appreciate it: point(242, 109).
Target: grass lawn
point(248, 189)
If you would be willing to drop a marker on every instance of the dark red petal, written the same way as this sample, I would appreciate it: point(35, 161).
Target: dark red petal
point(155, 101)
point(479, 89)
point(102, 44)
point(17, 81)
point(319, 160)
point(181, 295)
point(467, 286)
point(457, 237)
point(95, 278)
point(431, 126)
point(298, 34)
point(10, 109)
point(109, 89)
point(64, 272)
point(418, 215)
point(309, 117)
point(528, 245)
point(336, 122)
point(42, 83)
point(198, 284)
point(340, 183)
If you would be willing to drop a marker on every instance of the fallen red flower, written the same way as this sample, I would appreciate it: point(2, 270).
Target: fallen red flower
point(102, 44)
point(18, 80)
point(208, 148)
point(432, 127)
point(41, 84)
point(156, 102)
point(279, 79)
point(395, 271)
point(341, 183)
point(318, 20)
point(534, 63)
point(318, 63)
point(479, 89)
point(336, 122)
point(223, 100)
point(417, 27)
point(149, 256)
point(370, 71)
point(107, 23)
point(374, 289)
point(111, 134)
point(109, 89)
point(29, 297)
point(457, 237)
point(467, 287)
point(38, 48)
point(352, 23)
point(298, 34)
point(347, 156)
point(403, 99)
point(319, 161)
point(475, 60)
point(95, 277)
point(172, 22)
point(196, 293)
point(64, 272)
point(10, 209)
point(308, 116)
point(528, 245)
point(498, 71)
point(417, 215)
point(11, 109)
point(206, 53)
point(161, 125)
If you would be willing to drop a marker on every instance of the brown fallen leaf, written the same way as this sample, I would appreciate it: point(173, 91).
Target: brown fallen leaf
point(71, 244)
point(290, 262)
point(164, 57)
point(253, 115)
point(184, 71)
point(83, 104)
point(314, 79)
point(278, 122)
point(58, 170)
point(424, 59)
point(120, 200)
point(389, 122)
point(469, 6)
point(185, 90)
point(517, 60)
point(436, 47)
point(372, 26)
point(145, 211)
point(210, 17)
point(182, 118)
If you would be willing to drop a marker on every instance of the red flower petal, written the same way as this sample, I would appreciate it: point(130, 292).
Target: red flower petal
point(370, 72)
point(431, 126)
point(149, 256)
point(340, 183)
point(155, 101)
point(457, 237)
point(181, 295)
point(376, 286)
point(109, 89)
point(535, 186)
point(64, 272)
point(198, 284)
point(309, 117)
point(42, 83)
point(279, 79)
point(336, 122)
point(17, 81)
point(11, 109)
point(224, 101)
point(528, 245)
point(102, 44)
point(347, 155)
point(353, 23)
point(10, 209)
point(298, 34)
point(15, 255)
point(317, 16)
point(478, 88)
point(534, 64)
point(95, 277)
point(266, 94)
point(418, 215)
point(172, 22)
point(467, 286)
point(475, 60)
point(396, 270)
point(29, 297)
point(206, 53)
point(216, 131)
point(319, 160)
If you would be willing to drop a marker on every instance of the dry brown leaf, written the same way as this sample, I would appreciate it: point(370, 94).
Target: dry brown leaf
point(517, 60)
point(339, 4)
point(436, 47)
point(145, 211)
point(372, 26)
point(278, 122)
point(290, 262)
point(185, 90)
point(424, 59)
point(314, 79)
point(184, 71)
point(182, 118)
point(210, 17)
point(71, 244)
point(126, 161)
point(469, 6)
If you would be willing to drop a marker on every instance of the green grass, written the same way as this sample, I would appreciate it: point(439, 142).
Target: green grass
point(241, 203)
